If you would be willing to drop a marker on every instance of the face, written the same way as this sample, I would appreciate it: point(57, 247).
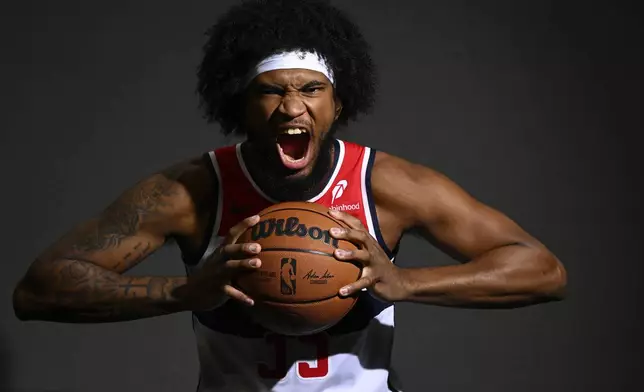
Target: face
point(288, 117)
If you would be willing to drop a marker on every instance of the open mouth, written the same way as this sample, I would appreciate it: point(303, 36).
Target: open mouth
point(293, 145)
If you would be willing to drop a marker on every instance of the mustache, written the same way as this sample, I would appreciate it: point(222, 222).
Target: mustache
point(297, 124)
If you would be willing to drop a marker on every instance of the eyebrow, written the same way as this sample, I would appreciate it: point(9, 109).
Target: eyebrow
point(269, 85)
point(312, 83)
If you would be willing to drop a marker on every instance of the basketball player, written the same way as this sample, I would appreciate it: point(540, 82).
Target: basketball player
point(286, 74)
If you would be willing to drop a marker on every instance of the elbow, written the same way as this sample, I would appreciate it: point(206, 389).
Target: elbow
point(537, 277)
point(549, 277)
point(21, 303)
point(558, 282)
point(33, 296)
point(27, 304)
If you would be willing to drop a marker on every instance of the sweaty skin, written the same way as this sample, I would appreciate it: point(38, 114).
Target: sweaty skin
point(501, 265)
point(81, 276)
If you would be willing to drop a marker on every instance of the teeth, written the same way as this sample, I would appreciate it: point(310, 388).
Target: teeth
point(295, 131)
point(291, 159)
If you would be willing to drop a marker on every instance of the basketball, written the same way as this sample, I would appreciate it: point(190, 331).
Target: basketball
point(296, 288)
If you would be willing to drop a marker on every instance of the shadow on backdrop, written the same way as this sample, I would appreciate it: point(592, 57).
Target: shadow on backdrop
point(5, 364)
point(6, 369)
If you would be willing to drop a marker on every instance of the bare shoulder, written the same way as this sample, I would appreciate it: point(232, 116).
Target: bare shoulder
point(170, 197)
point(166, 204)
point(422, 199)
point(412, 191)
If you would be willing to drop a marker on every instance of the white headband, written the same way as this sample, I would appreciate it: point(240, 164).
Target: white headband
point(292, 60)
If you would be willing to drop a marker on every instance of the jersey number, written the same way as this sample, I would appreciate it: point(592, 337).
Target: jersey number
point(304, 369)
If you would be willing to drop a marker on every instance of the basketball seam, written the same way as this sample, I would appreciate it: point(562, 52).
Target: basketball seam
point(263, 299)
point(272, 302)
point(344, 314)
point(304, 209)
point(319, 253)
point(311, 251)
point(298, 250)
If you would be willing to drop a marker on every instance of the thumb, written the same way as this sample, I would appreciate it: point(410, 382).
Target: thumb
point(239, 228)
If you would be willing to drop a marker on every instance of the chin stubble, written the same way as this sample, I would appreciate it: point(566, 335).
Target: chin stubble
point(281, 187)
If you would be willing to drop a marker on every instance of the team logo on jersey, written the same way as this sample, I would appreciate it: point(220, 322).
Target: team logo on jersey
point(288, 273)
point(338, 190)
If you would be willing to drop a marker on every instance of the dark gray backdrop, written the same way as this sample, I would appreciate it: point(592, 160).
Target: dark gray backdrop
point(533, 107)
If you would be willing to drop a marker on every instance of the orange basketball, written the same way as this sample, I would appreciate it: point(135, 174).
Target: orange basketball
point(296, 288)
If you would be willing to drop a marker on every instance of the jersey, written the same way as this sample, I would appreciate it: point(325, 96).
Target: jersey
point(235, 354)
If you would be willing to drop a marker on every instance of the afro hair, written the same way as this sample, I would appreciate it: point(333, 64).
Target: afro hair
point(256, 29)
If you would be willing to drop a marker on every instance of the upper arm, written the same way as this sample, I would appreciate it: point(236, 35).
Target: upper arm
point(428, 202)
point(135, 224)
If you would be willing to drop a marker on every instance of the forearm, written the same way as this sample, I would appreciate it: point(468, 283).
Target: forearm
point(75, 291)
point(506, 277)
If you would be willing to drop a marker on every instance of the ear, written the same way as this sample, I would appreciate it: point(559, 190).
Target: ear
point(338, 107)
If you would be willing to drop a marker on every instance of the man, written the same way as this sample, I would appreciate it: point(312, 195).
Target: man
point(286, 74)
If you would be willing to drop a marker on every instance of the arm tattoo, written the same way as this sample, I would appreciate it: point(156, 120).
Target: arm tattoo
point(86, 293)
point(139, 252)
point(122, 218)
point(66, 285)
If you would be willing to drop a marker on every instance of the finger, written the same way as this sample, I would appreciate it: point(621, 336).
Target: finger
point(234, 266)
point(360, 255)
point(240, 227)
point(351, 235)
point(240, 251)
point(360, 284)
point(349, 219)
point(238, 295)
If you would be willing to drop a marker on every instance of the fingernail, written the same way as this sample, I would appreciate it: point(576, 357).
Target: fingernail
point(255, 263)
point(344, 291)
point(334, 212)
point(336, 231)
point(342, 253)
point(250, 302)
point(254, 248)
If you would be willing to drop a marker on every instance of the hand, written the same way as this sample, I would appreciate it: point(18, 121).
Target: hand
point(379, 274)
point(211, 286)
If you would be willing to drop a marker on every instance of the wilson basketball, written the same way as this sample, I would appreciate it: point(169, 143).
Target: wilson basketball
point(296, 288)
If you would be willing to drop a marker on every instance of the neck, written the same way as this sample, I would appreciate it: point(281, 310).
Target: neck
point(285, 189)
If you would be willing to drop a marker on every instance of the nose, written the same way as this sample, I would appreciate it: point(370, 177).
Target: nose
point(292, 106)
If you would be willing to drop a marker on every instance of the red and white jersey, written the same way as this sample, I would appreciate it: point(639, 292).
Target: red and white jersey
point(238, 355)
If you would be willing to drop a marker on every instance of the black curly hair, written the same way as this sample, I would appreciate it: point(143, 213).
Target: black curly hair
point(255, 29)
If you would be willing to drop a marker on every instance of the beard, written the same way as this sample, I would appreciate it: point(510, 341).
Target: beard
point(276, 183)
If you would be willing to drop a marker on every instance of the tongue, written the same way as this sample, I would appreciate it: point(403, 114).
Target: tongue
point(294, 146)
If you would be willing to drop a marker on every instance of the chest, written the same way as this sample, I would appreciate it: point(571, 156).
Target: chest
point(348, 190)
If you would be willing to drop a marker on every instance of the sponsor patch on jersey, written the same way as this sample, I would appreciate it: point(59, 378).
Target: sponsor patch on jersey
point(346, 207)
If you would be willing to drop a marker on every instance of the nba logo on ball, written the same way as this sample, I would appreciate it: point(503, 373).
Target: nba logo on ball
point(287, 276)
point(296, 288)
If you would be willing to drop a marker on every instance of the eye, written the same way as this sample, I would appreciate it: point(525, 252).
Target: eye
point(264, 89)
point(312, 89)
point(271, 91)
